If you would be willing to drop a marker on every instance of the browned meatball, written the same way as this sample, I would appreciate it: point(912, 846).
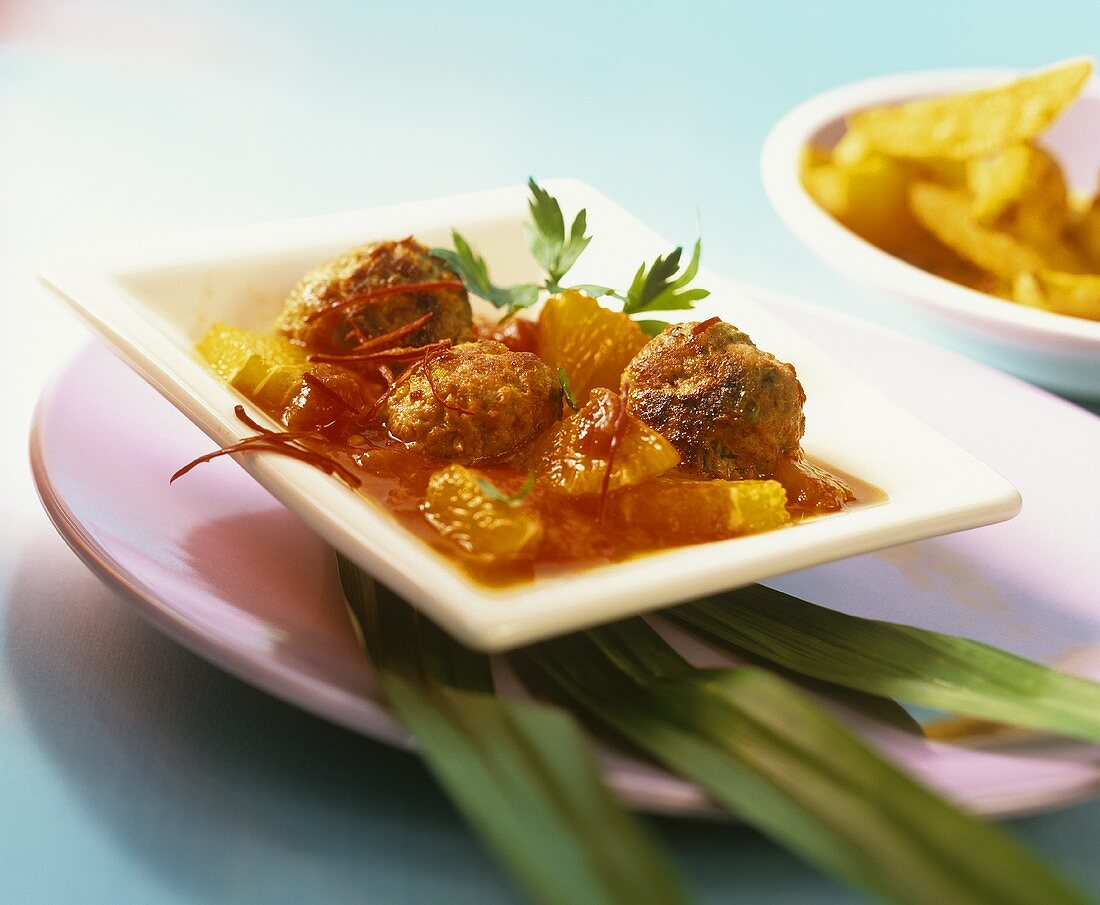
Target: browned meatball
point(318, 314)
point(475, 401)
point(731, 410)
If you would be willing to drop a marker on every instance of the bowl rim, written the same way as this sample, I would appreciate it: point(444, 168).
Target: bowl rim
point(969, 494)
point(817, 230)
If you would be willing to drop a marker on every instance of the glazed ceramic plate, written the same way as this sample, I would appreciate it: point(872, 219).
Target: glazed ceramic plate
point(1053, 350)
point(221, 566)
point(153, 304)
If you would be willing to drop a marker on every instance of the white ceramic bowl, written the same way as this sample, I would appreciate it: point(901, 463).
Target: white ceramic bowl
point(1056, 351)
point(153, 304)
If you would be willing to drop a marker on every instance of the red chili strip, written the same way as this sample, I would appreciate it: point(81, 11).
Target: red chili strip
point(386, 340)
point(315, 382)
point(400, 353)
point(378, 403)
point(426, 367)
point(243, 417)
point(362, 299)
point(358, 331)
point(391, 385)
point(274, 442)
point(612, 447)
point(703, 326)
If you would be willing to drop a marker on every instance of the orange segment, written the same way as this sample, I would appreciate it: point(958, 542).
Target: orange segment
point(266, 368)
point(705, 509)
point(592, 343)
point(576, 461)
point(811, 489)
point(486, 529)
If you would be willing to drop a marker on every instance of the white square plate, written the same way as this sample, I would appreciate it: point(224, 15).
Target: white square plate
point(153, 303)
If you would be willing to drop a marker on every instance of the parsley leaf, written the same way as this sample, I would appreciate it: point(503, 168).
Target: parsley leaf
point(474, 272)
point(652, 328)
point(656, 288)
point(588, 289)
point(563, 379)
point(546, 234)
point(659, 289)
point(493, 494)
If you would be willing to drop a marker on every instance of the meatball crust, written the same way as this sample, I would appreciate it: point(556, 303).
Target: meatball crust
point(496, 401)
point(307, 319)
point(731, 410)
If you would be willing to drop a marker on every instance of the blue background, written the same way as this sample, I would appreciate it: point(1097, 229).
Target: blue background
point(129, 769)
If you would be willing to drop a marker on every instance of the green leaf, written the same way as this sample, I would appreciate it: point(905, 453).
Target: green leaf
point(493, 494)
point(520, 772)
point(567, 389)
point(652, 328)
point(546, 234)
point(762, 748)
point(898, 661)
point(587, 288)
point(474, 273)
point(659, 289)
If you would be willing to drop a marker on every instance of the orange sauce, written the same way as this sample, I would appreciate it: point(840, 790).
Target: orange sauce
point(578, 531)
point(396, 478)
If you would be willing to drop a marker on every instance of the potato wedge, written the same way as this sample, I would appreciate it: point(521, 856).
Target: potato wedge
point(1075, 294)
point(947, 214)
point(974, 123)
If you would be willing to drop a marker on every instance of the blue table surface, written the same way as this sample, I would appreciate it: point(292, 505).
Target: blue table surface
point(131, 770)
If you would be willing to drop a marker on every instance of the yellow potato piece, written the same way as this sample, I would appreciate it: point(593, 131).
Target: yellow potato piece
point(974, 123)
point(1075, 294)
point(1086, 236)
point(870, 197)
point(592, 343)
point(576, 461)
point(814, 156)
point(951, 173)
point(705, 509)
point(1000, 181)
point(1022, 191)
point(946, 213)
point(851, 149)
point(486, 529)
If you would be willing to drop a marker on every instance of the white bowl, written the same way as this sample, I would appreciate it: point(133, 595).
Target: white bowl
point(152, 304)
point(1059, 352)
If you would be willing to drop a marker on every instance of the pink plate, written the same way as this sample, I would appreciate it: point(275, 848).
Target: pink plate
point(220, 566)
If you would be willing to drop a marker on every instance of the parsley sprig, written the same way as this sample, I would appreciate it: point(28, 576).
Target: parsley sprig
point(658, 287)
point(567, 389)
point(474, 272)
point(493, 493)
point(546, 234)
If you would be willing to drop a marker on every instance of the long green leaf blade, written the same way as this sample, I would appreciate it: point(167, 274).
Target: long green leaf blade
point(520, 772)
point(897, 661)
point(761, 747)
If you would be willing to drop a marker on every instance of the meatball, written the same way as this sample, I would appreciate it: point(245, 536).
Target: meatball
point(731, 410)
point(475, 401)
point(314, 316)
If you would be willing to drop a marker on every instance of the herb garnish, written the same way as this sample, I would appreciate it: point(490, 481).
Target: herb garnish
point(473, 270)
point(500, 497)
point(659, 289)
point(567, 389)
point(546, 234)
point(656, 288)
